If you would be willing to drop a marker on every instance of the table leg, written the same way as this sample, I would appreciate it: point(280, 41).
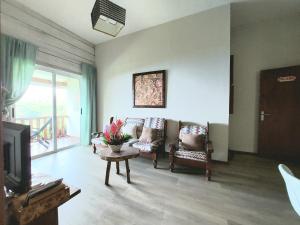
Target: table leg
point(118, 167)
point(127, 171)
point(107, 172)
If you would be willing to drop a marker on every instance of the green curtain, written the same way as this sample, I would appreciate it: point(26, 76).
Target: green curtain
point(17, 66)
point(88, 90)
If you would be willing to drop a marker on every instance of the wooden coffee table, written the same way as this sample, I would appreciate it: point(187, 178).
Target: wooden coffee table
point(125, 154)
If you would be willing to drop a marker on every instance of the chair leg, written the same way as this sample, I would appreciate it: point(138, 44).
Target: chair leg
point(172, 166)
point(164, 151)
point(208, 172)
point(155, 164)
point(171, 160)
point(154, 158)
point(95, 149)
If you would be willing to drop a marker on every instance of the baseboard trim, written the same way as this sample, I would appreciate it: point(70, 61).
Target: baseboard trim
point(240, 152)
point(219, 161)
point(232, 152)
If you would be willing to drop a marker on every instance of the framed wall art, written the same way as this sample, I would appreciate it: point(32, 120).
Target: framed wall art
point(149, 89)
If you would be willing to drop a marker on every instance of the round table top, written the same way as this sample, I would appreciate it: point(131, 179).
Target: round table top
point(125, 153)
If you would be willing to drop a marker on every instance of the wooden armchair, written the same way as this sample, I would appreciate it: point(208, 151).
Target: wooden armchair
point(193, 148)
point(154, 148)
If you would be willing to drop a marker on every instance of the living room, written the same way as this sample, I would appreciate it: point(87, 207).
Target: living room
point(188, 82)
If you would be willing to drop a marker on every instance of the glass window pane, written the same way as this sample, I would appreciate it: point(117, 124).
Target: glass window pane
point(68, 111)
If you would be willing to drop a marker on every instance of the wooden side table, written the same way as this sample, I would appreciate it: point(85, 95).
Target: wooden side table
point(125, 154)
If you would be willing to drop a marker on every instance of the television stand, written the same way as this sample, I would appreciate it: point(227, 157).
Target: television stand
point(42, 209)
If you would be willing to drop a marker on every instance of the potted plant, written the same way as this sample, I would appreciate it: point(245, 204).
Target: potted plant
point(113, 136)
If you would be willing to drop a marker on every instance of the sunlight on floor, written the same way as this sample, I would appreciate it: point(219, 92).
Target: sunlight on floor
point(62, 142)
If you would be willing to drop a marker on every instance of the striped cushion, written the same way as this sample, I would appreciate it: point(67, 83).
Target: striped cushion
point(145, 147)
point(135, 121)
point(97, 141)
point(156, 123)
point(131, 142)
point(193, 129)
point(192, 155)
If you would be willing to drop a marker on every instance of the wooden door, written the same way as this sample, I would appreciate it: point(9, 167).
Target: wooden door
point(279, 119)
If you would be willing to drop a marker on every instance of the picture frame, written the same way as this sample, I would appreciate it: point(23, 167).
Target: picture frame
point(149, 89)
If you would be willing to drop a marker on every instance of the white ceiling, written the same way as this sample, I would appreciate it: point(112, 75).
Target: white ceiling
point(258, 10)
point(141, 14)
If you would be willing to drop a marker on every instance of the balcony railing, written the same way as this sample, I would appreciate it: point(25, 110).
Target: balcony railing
point(36, 123)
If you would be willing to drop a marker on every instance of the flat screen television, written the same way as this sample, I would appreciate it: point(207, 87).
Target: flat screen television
point(17, 157)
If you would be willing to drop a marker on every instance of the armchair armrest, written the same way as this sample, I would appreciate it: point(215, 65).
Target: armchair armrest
point(173, 148)
point(132, 141)
point(97, 134)
point(158, 141)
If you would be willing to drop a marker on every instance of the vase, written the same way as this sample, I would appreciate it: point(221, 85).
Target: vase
point(115, 148)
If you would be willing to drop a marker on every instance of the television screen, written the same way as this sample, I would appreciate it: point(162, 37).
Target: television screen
point(17, 158)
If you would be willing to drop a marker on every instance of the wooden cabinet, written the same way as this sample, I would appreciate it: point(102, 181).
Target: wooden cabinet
point(43, 208)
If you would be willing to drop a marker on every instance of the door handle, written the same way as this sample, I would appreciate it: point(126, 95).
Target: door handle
point(263, 114)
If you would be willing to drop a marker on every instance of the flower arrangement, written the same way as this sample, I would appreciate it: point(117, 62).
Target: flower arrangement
point(113, 136)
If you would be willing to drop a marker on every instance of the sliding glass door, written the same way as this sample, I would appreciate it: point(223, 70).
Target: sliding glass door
point(35, 108)
point(51, 106)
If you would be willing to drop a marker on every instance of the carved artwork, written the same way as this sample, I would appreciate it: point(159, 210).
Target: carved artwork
point(149, 89)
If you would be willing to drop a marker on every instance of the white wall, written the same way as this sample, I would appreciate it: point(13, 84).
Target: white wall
point(195, 52)
point(58, 47)
point(259, 46)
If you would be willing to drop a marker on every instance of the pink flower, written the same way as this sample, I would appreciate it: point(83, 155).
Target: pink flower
point(119, 123)
point(114, 129)
point(107, 135)
point(112, 133)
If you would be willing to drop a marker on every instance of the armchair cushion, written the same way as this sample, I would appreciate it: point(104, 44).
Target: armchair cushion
point(192, 155)
point(192, 141)
point(156, 123)
point(97, 138)
point(145, 147)
point(138, 122)
point(148, 135)
point(131, 142)
point(193, 129)
point(97, 141)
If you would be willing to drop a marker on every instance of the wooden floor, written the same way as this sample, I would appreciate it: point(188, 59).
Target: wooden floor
point(248, 190)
